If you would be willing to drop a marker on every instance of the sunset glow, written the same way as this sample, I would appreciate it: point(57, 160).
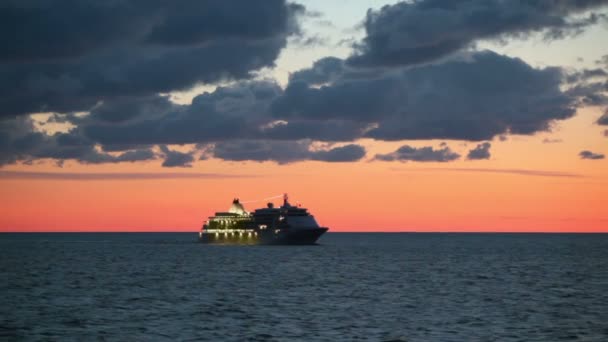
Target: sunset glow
point(343, 162)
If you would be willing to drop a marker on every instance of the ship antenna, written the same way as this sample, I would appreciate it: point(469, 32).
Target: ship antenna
point(285, 198)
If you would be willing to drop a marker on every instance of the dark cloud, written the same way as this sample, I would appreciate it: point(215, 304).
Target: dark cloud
point(68, 55)
point(176, 158)
point(362, 100)
point(310, 41)
point(420, 31)
point(421, 154)
point(239, 111)
point(476, 98)
point(322, 130)
point(47, 30)
point(589, 93)
point(586, 75)
point(232, 112)
point(134, 125)
point(19, 140)
point(324, 70)
point(81, 85)
point(603, 120)
point(284, 152)
point(136, 155)
point(592, 73)
point(122, 109)
point(481, 151)
point(590, 155)
point(347, 153)
point(115, 59)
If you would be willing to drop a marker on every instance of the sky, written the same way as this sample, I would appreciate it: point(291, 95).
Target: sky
point(426, 116)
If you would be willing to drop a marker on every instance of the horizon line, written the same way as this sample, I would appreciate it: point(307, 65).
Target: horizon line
point(338, 232)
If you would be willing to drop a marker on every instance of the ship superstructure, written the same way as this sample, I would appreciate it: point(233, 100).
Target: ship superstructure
point(286, 224)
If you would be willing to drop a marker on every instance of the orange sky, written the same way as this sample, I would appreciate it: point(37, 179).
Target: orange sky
point(566, 194)
point(526, 186)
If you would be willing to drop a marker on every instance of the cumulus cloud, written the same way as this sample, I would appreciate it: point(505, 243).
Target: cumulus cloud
point(590, 93)
point(481, 151)
point(20, 141)
point(231, 112)
point(603, 120)
point(477, 98)
point(590, 155)
point(420, 31)
point(67, 55)
point(238, 111)
point(176, 158)
point(473, 99)
point(116, 59)
point(420, 154)
point(236, 118)
point(284, 152)
point(126, 108)
point(347, 153)
point(322, 71)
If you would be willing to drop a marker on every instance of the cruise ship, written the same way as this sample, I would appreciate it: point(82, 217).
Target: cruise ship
point(285, 225)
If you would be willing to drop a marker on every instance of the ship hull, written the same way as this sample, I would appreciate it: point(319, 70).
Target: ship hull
point(288, 237)
point(298, 237)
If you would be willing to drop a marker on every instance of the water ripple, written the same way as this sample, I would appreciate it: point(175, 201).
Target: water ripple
point(360, 287)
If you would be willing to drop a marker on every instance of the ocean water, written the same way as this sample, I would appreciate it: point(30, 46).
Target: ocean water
point(351, 287)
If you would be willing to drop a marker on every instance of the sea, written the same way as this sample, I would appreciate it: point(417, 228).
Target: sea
point(349, 287)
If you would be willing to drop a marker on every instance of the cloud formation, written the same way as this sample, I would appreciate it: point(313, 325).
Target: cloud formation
point(603, 120)
point(412, 77)
point(590, 155)
point(415, 32)
point(473, 98)
point(231, 112)
point(176, 158)
point(481, 151)
point(66, 55)
point(20, 141)
point(284, 152)
point(420, 154)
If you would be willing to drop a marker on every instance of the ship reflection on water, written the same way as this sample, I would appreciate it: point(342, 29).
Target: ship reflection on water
point(285, 225)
